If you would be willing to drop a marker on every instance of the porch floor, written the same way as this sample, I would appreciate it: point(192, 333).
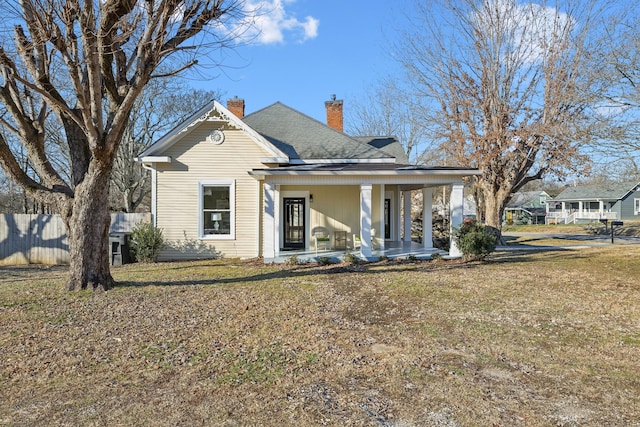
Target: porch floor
point(391, 250)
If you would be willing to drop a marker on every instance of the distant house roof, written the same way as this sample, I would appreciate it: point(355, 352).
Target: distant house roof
point(304, 139)
point(605, 191)
point(527, 199)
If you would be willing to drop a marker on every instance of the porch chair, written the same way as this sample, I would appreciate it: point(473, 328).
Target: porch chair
point(357, 243)
point(322, 238)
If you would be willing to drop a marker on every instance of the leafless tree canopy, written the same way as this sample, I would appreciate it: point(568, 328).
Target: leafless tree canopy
point(83, 64)
point(510, 87)
point(387, 109)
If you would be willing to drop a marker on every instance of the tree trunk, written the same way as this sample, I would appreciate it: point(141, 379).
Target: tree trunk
point(87, 223)
point(494, 203)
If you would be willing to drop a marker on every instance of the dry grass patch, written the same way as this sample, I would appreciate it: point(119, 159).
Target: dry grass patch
point(537, 339)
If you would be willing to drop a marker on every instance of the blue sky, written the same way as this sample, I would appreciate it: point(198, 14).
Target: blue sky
point(309, 50)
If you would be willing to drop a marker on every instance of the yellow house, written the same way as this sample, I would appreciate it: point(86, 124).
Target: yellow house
point(277, 182)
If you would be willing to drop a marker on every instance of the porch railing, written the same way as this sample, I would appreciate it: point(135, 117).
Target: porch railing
point(570, 218)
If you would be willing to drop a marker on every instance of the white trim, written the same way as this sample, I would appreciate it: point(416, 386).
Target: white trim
point(153, 159)
point(365, 221)
point(340, 161)
point(427, 218)
point(269, 223)
point(636, 206)
point(456, 216)
point(307, 216)
point(258, 217)
point(232, 208)
point(276, 219)
point(406, 198)
point(261, 173)
point(154, 192)
point(381, 229)
point(271, 160)
point(154, 196)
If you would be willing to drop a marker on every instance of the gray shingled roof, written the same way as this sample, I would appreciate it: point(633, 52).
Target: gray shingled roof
point(608, 191)
point(388, 144)
point(303, 138)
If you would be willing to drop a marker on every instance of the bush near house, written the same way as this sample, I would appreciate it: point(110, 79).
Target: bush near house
point(474, 241)
point(146, 242)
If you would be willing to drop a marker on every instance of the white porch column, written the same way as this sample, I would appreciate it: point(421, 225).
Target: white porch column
point(456, 216)
point(382, 231)
point(427, 218)
point(601, 208)
point(365, 221)
point(270, 230)
point(564, 209)
point(580, 207)
point(406, 197)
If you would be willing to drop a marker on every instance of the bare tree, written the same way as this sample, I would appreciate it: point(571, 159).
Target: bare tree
point(163, 104)
point(86, 62)
point(621, 143)
point(387, 109)
point(510, 88)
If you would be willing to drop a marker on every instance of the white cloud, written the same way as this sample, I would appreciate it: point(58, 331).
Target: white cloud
point(533, 29)
point(273, 24)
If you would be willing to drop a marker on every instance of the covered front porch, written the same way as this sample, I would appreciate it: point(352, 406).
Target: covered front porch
point(570, 212)
point(360, 209)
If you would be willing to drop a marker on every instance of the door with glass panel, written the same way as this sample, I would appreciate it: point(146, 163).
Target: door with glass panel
point(294, 223)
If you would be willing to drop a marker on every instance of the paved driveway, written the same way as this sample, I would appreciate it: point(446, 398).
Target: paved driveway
point(571, 240)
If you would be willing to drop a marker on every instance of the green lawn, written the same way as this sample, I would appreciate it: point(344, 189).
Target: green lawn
point(537, 339)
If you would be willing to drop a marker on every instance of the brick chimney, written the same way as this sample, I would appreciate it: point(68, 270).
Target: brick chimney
point(236, 106)
point(334, 113)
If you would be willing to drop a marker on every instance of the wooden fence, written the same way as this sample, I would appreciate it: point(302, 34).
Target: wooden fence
point(42, 239)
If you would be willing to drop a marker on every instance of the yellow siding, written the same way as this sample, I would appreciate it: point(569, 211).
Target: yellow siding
point(337, 208)
point(194, 159)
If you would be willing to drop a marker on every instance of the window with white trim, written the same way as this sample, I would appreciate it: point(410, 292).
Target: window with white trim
point(636, 206)
point(217, 209)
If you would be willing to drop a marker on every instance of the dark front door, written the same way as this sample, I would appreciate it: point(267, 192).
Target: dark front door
point(387, 218)
point(294, 225)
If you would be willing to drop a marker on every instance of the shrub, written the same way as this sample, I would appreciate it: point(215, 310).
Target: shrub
point(474, 241)
point(146, 242)
point(436, 256)
point(325, 260)
point(293, 260)
point(350, 258)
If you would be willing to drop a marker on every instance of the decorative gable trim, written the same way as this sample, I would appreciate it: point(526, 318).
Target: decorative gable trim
point(206, 113)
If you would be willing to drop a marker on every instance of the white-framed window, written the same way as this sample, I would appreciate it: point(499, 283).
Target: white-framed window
point(216, 209)
point(636, 206)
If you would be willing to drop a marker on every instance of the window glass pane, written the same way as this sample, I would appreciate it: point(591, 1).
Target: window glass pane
point(216, 198)
point(217, 222)
point(216, 212)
